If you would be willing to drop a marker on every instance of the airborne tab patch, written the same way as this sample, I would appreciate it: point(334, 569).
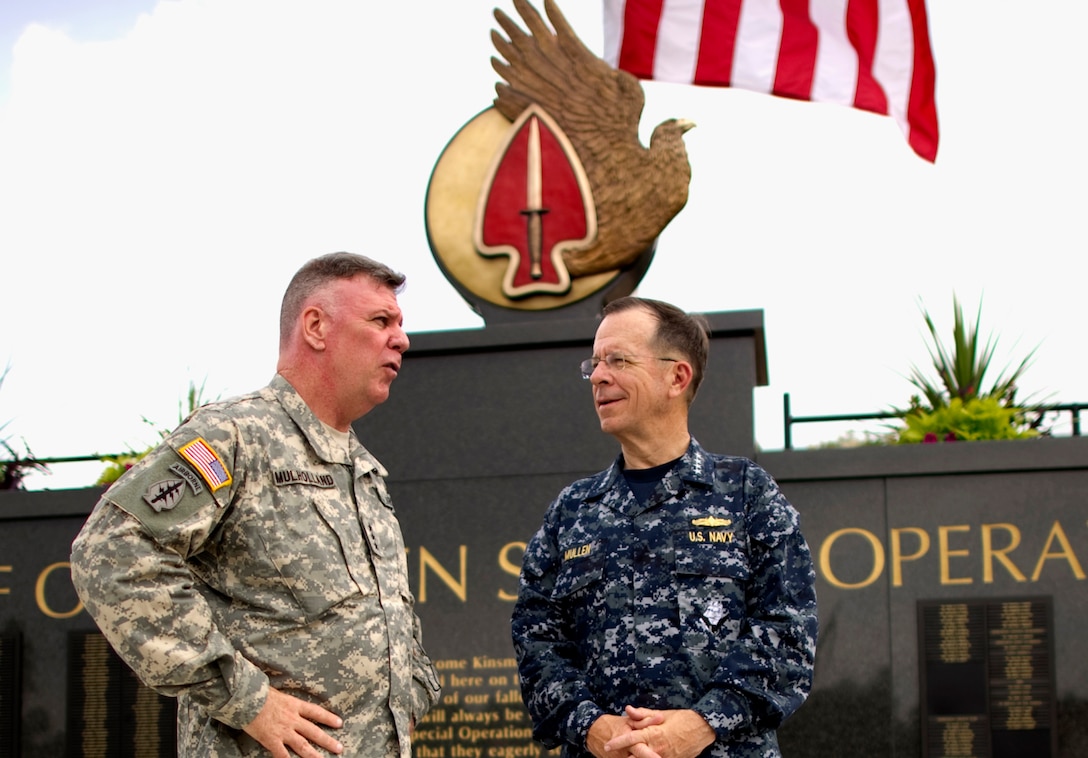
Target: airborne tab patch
point(189, 476)
point(207, 462)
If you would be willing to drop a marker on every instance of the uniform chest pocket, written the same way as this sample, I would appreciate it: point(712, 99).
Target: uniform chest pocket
point(576, 574)
point(307, 547)
point(578, 591)
point(712, 575)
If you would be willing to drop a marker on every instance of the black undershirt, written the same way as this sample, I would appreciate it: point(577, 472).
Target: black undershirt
point(642, 481)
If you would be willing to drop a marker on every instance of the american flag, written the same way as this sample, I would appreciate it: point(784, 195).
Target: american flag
point(207, 462)
point(869, 54)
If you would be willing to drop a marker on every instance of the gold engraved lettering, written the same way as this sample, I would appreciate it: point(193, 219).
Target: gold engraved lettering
point(510, 567)
point(825, 558)
point(897, 551)
point(988, 552)
point(957, 737)
point(1066, 552)
point(955, 635)
point(426, 560)
point(39, 592)
point(946, 553)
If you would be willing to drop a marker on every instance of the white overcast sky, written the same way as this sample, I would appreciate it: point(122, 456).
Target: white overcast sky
point(165, 167)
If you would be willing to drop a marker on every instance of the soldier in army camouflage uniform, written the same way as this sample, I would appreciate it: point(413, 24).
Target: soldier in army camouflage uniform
point(666, 606)
point(252, 565)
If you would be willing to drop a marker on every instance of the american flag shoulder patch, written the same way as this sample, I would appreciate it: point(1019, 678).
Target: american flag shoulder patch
point(207, 462)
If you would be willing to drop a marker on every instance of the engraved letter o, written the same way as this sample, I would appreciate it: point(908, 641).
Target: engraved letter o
point(39, 593)
point(825, 558)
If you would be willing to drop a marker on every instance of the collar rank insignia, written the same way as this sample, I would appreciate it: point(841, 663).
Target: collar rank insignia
point(164, 495)
point(711, 521)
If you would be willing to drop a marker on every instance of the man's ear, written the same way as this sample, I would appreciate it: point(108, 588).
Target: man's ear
point(315, 325)
point(681, 377)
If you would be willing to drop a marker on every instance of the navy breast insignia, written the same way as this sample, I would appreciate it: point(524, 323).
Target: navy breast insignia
point(711, 521)
point(711, 530)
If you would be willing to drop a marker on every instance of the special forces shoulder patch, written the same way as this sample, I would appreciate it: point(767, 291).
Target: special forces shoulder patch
point(207, 463)
point(164, 495)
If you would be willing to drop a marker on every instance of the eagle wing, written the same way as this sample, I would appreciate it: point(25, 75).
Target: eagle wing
point(597, 106)
point(636, 190)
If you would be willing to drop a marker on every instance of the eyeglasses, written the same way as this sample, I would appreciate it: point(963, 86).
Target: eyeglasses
point(614, 362)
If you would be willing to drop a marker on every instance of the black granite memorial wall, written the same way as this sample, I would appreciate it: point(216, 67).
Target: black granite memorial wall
point(484, 427)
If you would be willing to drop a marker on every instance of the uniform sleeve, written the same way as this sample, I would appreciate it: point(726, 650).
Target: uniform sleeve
point(553, 684)
point(768, 674)
point(128, 567)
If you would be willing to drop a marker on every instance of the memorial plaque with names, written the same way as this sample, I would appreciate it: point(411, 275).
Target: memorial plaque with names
point(987, 678)
point(111, 714)
point(10, 685)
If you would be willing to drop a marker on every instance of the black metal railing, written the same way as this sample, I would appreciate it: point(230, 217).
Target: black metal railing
point(13, 471)
point(1074, 409)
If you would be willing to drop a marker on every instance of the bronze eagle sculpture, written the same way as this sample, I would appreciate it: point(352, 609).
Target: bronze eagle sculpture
point(636, 190)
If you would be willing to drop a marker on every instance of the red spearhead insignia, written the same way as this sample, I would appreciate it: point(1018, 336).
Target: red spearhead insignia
point(535, 203)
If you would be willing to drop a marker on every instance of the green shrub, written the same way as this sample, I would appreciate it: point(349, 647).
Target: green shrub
point(980, 418)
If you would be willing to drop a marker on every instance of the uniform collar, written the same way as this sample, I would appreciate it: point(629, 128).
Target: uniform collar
point(324, 445)
point(694, 467)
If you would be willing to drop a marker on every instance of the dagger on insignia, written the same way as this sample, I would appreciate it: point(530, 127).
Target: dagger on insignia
point(534, 193)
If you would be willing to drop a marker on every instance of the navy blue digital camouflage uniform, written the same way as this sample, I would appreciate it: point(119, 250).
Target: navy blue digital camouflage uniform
point(702, 598)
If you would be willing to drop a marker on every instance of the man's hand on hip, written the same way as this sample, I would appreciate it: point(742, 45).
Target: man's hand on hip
point(288, 725)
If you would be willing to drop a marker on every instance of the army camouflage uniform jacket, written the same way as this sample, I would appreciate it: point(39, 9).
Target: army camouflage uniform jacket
point(702, 598)
point(252, 549)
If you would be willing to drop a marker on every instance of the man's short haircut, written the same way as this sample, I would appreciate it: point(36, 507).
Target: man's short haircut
point(687, 334)
point(318, 272)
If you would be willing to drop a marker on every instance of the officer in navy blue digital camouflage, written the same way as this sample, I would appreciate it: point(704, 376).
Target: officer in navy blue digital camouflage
point(666, 606)
point(252, 565)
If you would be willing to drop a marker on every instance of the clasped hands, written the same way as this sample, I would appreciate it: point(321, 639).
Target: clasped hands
point(649, 733)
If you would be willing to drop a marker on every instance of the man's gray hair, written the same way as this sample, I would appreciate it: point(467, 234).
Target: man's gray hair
point(318, 272)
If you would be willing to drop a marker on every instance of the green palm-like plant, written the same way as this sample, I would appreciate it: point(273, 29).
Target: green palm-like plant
point(962, 370)
point(956, 406)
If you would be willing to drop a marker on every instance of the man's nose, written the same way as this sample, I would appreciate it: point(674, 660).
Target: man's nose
point(399, 341)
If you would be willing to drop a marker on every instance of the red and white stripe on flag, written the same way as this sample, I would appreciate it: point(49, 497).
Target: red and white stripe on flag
point(869, 54)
